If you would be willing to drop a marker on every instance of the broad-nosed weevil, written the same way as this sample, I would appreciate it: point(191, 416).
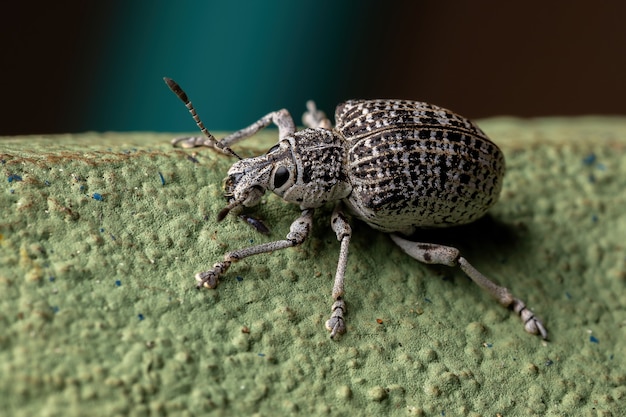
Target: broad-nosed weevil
point(397, 165)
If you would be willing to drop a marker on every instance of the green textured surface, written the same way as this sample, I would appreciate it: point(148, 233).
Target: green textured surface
point(99, 315)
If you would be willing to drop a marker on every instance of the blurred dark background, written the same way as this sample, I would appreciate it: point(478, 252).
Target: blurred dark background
point(72, 66)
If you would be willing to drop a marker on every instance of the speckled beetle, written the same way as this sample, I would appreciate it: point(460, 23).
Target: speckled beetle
point(397, 165)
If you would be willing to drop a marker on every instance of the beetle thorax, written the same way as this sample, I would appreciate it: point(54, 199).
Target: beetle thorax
point(306, 168)
point(319, 174)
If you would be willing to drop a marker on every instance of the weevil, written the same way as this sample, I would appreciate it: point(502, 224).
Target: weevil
point(397, 165)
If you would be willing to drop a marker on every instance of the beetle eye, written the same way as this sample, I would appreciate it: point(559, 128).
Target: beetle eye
point(280, 177)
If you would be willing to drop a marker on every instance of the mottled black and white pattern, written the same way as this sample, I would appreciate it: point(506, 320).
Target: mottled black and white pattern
point(397, 165)
point(412, 164)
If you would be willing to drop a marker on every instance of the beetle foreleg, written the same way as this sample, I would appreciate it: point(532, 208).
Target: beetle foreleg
point(445, 255)
point(281, 118)
point(298, 233)
point(336, 324)
point(258, 224)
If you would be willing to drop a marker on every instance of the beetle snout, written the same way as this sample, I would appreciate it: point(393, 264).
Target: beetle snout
point(239, 187)
point(244, 185)
point(230, 184)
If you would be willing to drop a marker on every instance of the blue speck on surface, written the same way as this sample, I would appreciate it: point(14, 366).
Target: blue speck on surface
point(427, 300)
point(568, 295)
point(97, 197)
point(589, 159)
point(261, 354)
point(239, 278)
point(593, 339)
point(14, 177)
point(118, 283)
point(162, 179)
point(594, 218)
point(55, 309)
point(101, 229)
point(51, 279)
point(47, 183)
point(140, 316)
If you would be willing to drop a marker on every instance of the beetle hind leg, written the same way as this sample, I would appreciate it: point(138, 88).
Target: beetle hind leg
point(445, 255)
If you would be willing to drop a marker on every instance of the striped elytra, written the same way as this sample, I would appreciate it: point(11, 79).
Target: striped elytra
point(412, 164)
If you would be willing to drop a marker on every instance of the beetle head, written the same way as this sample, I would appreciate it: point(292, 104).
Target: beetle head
point(249, 178)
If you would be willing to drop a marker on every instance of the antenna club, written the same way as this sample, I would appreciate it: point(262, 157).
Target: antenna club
point(173, 85)
point(191, 142)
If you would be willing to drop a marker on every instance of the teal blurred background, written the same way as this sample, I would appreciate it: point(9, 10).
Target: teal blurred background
point(73, 66)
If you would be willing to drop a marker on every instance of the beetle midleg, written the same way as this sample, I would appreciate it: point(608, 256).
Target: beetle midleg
point(430, 253)
point(298, 232)
point(336, 324)
point(281, 118)
point(314, 118)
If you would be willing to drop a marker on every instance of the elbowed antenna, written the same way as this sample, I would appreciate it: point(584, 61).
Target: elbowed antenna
point(212, 142)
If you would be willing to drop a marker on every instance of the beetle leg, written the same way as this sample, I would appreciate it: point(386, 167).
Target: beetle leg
point(336, 324)
point(195, 142)
point(281, 118)
point(258, 224)
point(298, 232)
point(314, 118)
point(445, 255)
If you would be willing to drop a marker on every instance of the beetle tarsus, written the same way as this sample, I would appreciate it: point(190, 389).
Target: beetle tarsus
point(532, 324)
point(210, 278)
point(336, 324)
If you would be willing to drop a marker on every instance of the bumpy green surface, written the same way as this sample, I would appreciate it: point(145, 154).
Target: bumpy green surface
point(99, 315)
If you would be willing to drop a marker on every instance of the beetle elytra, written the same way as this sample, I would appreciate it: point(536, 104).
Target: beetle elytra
point(397, 165)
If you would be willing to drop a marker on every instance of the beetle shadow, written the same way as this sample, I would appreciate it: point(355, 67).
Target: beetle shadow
point(484, 232)
point(485, 239)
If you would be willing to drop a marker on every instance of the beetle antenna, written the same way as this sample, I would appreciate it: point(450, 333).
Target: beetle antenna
point(180, 93)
